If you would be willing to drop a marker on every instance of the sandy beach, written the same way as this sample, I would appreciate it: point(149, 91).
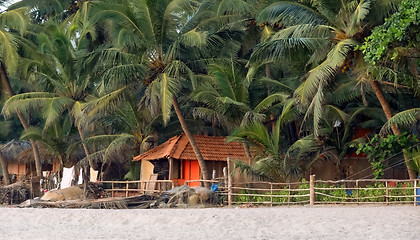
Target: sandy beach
point(302, 222)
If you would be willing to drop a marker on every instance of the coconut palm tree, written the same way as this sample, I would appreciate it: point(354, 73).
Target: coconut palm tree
point(227, 99)
point(171, 39)
point(64, 76)
point(313, 28)
point(14, 21)
point(274, 160)
point(126, 130)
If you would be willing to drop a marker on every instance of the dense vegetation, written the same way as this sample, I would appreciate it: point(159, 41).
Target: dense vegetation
point(104, 80)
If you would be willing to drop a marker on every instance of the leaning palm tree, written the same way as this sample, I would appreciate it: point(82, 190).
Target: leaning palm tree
point(169, 38)
point(17, 21)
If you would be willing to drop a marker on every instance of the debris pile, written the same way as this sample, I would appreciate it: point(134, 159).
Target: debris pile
point(72, 197)
point(184, 196)
point(14, 193)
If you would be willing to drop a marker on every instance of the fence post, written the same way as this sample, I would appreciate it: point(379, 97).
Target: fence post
point(312, 190)
point(386, 192)
point(271, 194)
point(126, 189)
point(415, 192)
point(357, 190)
point(112, 189)
point(229, 183)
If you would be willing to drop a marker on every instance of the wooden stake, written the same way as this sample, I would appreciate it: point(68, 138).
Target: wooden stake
point(312, 190)
point(271, 194)
point(415, 192)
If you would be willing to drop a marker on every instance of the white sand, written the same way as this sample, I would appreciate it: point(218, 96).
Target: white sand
point(319, 222)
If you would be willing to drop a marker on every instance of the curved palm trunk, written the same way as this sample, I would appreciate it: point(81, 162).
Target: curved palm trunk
point(387, 110)
point(9, 90)
point(6, 177)
point(201, 162)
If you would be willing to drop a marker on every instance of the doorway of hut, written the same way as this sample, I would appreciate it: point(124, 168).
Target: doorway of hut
point(190, 170)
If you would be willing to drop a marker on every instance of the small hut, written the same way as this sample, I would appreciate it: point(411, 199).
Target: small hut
point(24, 164)
point(10, 153)
point(175, 159)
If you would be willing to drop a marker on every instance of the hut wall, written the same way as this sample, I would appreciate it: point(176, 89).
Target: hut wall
point(327, 170)
point(18, 169)
point(146, 170)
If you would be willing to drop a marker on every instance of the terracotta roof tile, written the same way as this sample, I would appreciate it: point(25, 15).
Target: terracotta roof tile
point(212, 148)
point(161, 151)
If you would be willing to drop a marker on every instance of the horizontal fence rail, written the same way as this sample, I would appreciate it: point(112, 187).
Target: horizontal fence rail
point(133, 188)
point(362, 191)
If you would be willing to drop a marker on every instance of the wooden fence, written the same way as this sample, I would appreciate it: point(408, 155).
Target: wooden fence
point(363, 191)
point(133, 188)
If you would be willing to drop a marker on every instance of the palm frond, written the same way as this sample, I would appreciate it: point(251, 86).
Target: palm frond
point(269, 101)
point(25, 101)
point(289, 13)
point(168, 86)
point(290, 39)
point(359, 14)
point(402, 119)
point(323, 73)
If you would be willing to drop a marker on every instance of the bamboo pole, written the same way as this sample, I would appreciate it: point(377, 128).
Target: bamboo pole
point(386, 193)
point(312, 190)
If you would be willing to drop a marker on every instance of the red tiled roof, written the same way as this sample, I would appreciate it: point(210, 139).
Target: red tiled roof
point(212, 148)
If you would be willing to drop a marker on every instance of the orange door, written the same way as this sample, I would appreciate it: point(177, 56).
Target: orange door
point(195, 173)
point(191, 171)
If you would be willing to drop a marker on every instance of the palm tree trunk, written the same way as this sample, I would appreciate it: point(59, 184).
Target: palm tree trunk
point(387, 110)
point(3, 162)
point(201, 162)
point(85, 175)
point(9, 90)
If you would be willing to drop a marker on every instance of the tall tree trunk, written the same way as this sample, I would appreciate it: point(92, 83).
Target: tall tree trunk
point(201, 162)
point(3, 162)
point(9, 90)
point(387, 110)
point(85, 173)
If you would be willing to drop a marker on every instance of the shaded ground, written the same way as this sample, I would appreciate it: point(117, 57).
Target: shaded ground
point(320, 222)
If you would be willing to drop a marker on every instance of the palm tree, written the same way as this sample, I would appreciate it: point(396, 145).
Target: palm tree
point(64, 76)
point(227, 99)
point(313, 28)
point(14, 20)
point(274, 160)
point(120, 131)
point(169, 38)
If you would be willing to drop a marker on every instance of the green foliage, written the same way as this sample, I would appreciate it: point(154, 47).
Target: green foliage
point(380, 148)
point(395, 29)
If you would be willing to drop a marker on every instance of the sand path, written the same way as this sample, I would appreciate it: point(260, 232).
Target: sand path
point(304, 222)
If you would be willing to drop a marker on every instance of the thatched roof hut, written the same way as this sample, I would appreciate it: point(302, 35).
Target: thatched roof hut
point(46, 157)
point(11, 150)
point(27, 156)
